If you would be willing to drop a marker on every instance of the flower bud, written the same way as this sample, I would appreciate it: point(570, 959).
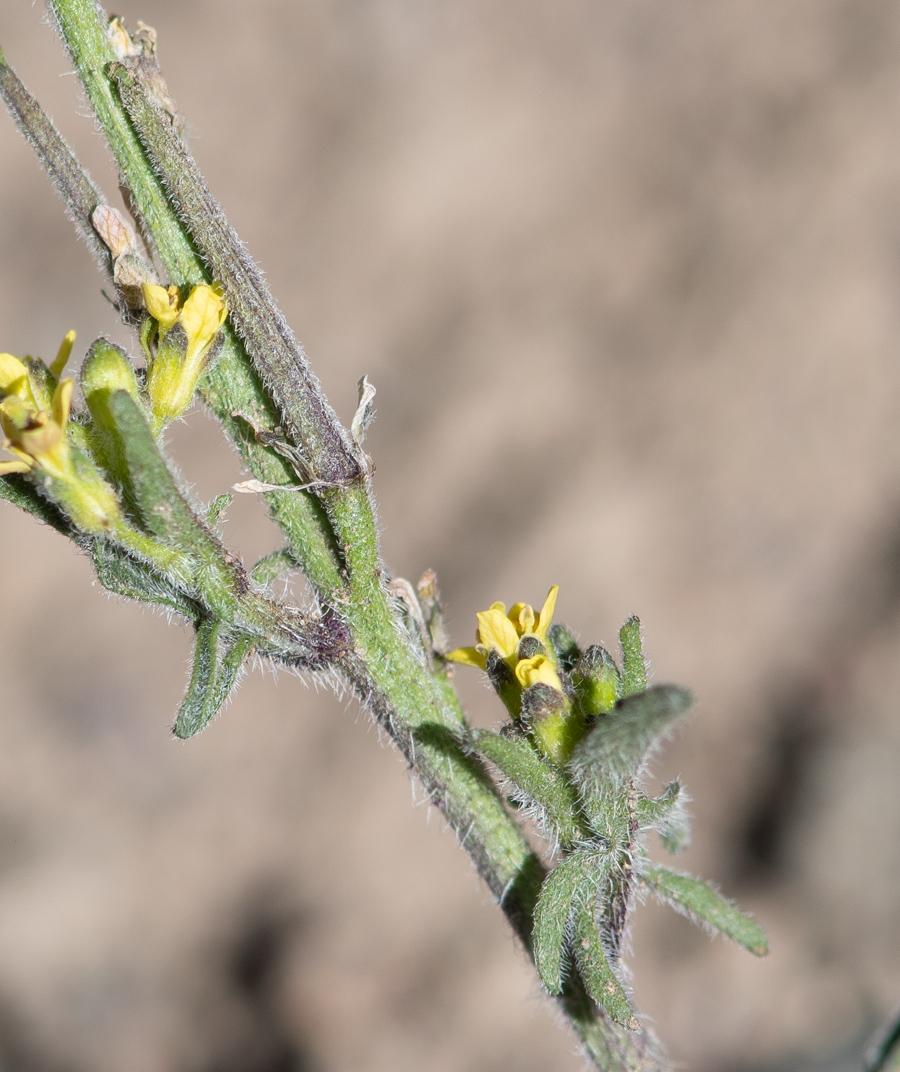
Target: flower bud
point(597, 681)
point(555, 726)
point(185, 337)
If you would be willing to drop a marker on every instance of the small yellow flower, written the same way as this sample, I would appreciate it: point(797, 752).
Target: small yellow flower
point(185, 335)
point(34, 413)
point(502, 631)
point(34, 436)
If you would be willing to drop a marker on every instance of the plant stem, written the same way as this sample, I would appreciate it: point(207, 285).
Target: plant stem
point(333, 536)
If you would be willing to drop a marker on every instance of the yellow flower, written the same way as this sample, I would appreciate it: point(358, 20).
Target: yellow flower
point(34, 413)
point(34, 436)
point(185, 335)
point(502, 631)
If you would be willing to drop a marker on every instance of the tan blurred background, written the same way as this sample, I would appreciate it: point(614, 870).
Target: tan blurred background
point(626, 274)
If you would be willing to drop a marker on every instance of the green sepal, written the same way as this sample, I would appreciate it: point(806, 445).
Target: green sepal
point(564, 646)
point(597, 681)
point(106, 370)
point(551, 916)
point(535, 778)
point(616, 746)
point(700, 902)
point(213, 676)
point(594, 966)
point(634, 669)
point(555, 726)
point(149, 485)
point(667, 816)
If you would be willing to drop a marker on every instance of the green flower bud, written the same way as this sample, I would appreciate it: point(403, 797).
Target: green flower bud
point(597, 681)
point(554, 724)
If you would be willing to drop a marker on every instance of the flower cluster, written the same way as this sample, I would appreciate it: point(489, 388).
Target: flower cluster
point(34, 416)
point(513, 648)
point(178, 340)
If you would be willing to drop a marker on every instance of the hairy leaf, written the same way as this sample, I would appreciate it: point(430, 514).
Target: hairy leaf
point(118, 572)
point(17, 490)
point(634, 670)
point(700, 901)
point(212, 679)
point(616, 746)
point(551, 917)
point(594, 966)
point(666, 814)
point(534, 777)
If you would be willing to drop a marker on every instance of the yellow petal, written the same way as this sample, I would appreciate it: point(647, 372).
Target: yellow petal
point(496, 631)
point(14, 467)
point(162, 304)
point(522, 617)
point(468, 657)
point(62, 356)
point(15, 414)
point(537, 671)
point(546, 615)
point(62, 401)
point(12, 370)
point(203, 314)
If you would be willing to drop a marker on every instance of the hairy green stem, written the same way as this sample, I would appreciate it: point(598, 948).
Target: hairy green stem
point(335, 542)
point(230, 385)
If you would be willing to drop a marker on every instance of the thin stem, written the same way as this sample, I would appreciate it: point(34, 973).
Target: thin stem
point(230, 385)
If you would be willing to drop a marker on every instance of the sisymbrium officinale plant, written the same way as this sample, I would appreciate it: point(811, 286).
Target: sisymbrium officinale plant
point(580, 723)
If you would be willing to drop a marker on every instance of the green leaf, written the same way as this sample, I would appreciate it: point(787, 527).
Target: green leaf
point(551, 917)
point(270, 567)
point(194, 712)
point(666, 814)
point(634, 670)
point(594, 966)
point(535, 778)
point(155, 494)
point(212, 678)
point(217, 507)
point(17, 490)
point(617, 744)
point(124, 575)
point(701, 902)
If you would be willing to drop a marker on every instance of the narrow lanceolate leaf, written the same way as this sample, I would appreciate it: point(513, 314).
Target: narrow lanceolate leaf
point(535, 778)
point(72, 182)
point(124, 575)
point(20, 492)
point(271, 566)
point(212, 679)
point(551, 917)
point(276, 354)
point(634, 669)
point(594, 966)
point(152, 487)
point(195, 708)
point(701, 902)
point(616, 746)
point(667, 815)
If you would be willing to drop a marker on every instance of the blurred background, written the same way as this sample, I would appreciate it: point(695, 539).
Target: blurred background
point(627, 278)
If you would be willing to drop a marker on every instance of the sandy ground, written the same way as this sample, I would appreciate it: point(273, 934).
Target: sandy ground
point(627, 278)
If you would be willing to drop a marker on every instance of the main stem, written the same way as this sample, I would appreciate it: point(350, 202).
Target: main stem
point(334, 538)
